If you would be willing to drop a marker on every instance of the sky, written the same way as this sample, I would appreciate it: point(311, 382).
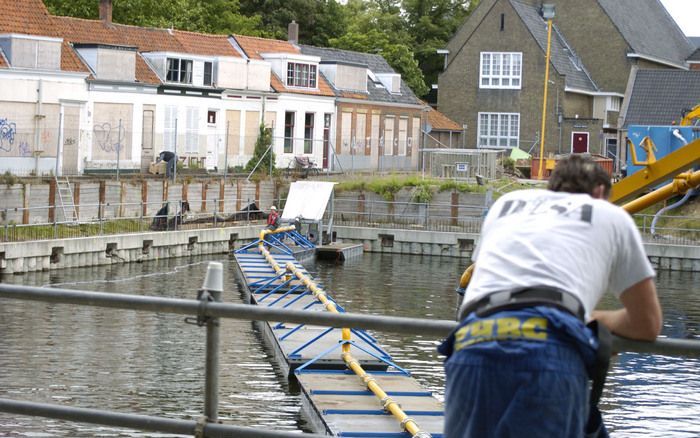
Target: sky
point(686, 13)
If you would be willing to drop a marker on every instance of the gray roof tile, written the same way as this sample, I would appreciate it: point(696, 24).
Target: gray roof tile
point(376, 63)
point(659, 97)
point(564, 59)
point(650, 30)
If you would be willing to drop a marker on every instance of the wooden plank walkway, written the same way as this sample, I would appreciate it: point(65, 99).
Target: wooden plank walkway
point(335, 400)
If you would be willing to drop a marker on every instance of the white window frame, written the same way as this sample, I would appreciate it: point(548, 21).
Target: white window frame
point(184, 70)
point(192, 130)
point(501, 70)
point(612, 103)
point(170, 127)
point(303, 75)
point(499, 131)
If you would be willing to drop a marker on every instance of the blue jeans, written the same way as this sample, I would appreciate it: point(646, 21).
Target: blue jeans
point(513, 374)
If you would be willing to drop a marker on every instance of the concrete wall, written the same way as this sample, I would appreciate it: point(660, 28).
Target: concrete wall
point(393, 241)
point(21, 257)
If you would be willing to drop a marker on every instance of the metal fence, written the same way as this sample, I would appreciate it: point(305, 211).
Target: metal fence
point(461, 163)
point(121, 218)
point(207, 309)
point(432, 216)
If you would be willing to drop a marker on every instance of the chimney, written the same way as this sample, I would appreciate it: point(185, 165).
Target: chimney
point(293, 32)
point(106, 10)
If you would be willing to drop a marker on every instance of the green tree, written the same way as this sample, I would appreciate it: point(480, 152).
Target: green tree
point(432, 23)
point(261, 154)
point(376, 26)
point(319, 20)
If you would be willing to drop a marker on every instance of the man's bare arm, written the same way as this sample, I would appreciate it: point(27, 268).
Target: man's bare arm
point(640, 318)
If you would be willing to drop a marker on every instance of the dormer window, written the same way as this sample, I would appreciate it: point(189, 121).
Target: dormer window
point(179, 70)
point(208, 74)
point(301, 75)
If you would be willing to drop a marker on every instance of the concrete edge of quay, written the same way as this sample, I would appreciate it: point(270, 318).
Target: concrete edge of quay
point(42, 255)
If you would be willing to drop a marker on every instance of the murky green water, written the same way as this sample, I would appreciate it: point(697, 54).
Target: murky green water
point(149, 364)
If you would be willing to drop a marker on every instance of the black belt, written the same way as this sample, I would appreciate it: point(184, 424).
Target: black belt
point(522, 298)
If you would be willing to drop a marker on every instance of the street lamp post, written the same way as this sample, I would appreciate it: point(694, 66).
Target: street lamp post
point(547, 14)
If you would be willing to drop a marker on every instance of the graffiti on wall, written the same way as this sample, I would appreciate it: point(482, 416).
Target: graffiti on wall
point(24, 150)
point(8, 130)
point(109, 138)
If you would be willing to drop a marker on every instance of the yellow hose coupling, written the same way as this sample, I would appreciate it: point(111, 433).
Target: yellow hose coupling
point(405, 421)
point(388, 401)
point(367, 379)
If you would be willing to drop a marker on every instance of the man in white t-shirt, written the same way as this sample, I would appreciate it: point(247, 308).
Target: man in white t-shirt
point(517, 364)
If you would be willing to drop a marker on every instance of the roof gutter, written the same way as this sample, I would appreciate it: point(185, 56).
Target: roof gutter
point(380, 103)
point(592, 93)
point(657, 60)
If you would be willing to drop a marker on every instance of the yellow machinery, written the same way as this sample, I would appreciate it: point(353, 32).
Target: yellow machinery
point(691, 116)
point(655, 171)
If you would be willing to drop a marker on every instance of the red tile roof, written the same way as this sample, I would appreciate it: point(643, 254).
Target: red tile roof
point(28, 17)
point(441, 122)
point(204, 44)
point(254, 47)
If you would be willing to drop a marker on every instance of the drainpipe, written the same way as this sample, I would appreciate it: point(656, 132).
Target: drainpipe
point(38, 117)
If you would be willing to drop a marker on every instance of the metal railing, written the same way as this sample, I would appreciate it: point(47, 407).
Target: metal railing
point(208, 309)
point(433, 216)
point(122, 218)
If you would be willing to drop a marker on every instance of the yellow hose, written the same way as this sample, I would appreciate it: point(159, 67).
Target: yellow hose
point(407, 423)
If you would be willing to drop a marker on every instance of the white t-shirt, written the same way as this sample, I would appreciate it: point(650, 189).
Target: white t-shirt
point(572, 242)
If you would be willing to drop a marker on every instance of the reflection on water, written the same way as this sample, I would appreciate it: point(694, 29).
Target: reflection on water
point(149, 364)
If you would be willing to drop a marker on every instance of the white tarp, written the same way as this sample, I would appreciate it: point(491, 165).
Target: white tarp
point(308, 200)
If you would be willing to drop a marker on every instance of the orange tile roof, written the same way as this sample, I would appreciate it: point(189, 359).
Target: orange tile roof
point(25, 16)
point(204, 44)
point(254, 47)
point(70, 61)
point(441, 122)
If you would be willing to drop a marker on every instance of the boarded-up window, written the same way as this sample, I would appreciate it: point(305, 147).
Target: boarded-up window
point(389, 135)
point(403, 135)
point(233, 120)
point(21, 134)
point(360, 128)
point(112, 131)
point(415, 136)
point(346, 133)
point(252, 128)
point(374, 137)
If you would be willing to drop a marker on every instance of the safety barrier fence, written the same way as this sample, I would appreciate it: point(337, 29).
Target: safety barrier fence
point(208, 308)
point(119, 218)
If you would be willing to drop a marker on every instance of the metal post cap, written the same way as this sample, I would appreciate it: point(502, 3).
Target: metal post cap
point(214, 279)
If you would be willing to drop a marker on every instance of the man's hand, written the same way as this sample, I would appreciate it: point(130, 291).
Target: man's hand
point(640, 318)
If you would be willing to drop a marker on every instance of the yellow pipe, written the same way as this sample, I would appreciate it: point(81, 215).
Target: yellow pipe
point(407, 423)
point(466, 276)
point(544, 102)
point(387, 402)
point(681, 184)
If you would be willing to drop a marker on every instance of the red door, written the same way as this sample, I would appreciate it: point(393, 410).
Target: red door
point(579, 142)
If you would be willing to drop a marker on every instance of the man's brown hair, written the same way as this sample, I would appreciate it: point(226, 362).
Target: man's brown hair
point(579, 174)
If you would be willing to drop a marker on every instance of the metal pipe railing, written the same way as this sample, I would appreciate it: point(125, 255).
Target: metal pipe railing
point(395, 324)
point(141, 422)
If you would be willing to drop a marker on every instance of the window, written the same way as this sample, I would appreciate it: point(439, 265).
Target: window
point(500, 70)
point(309, 133)
point(301, 75)
point(208, 74)
point(192, 130)
point(389, 135)
point(179, 70)
point(170, 128)
point(499, 130)
point(288, 132)
point(211, 117)
point(613, 103)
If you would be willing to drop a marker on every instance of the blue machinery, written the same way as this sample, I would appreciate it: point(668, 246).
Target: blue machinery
point(340, 397)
